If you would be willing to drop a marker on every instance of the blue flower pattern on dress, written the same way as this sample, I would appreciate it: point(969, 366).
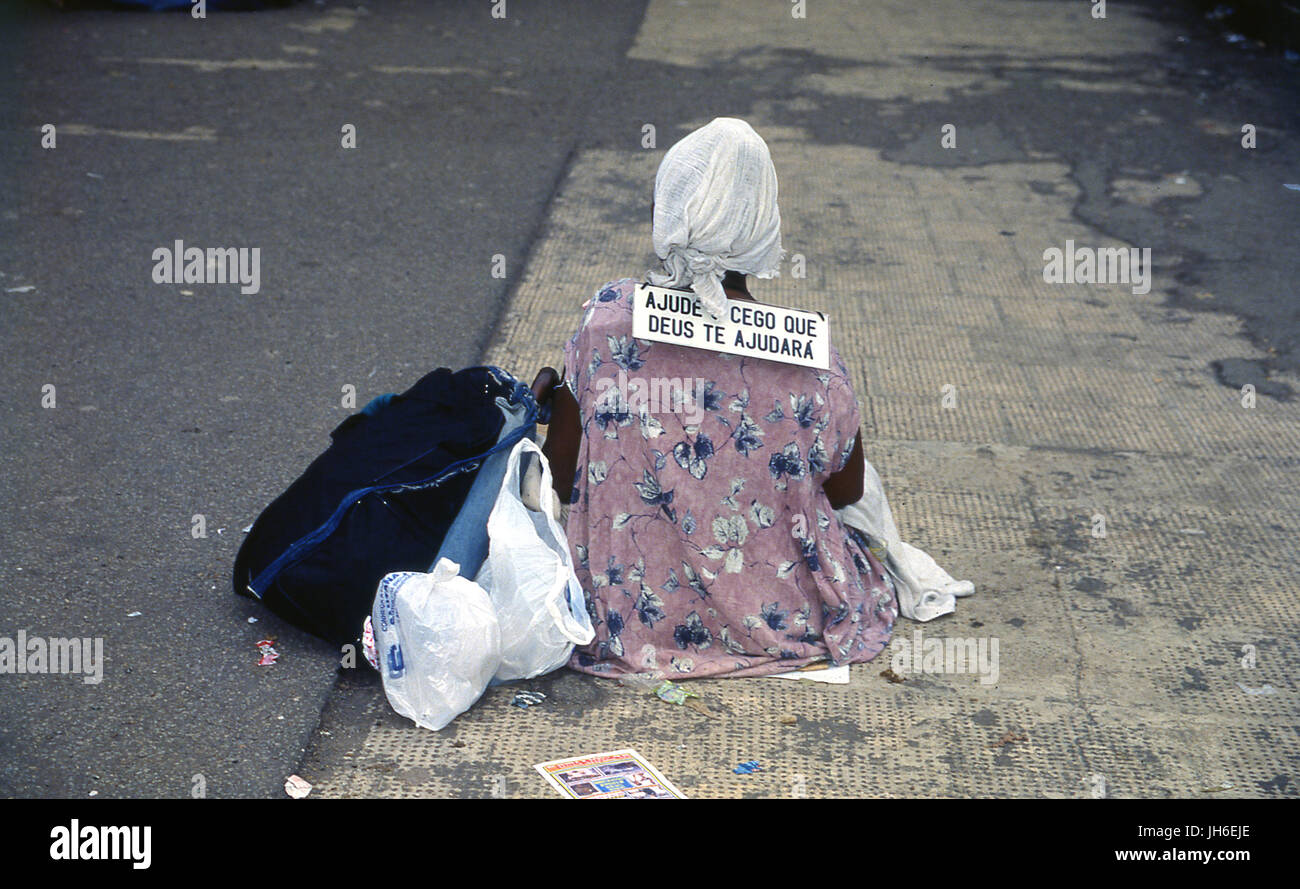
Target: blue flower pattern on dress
point(682, 534)
point(694, 457)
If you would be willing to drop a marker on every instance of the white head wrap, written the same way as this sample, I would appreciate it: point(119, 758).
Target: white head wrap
point(715, 210)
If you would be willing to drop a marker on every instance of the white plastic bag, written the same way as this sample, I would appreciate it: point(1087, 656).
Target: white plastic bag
point(438, 642)
point(529, 577)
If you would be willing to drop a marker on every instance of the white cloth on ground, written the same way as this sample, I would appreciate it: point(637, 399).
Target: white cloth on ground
point(716, 210)
point(925, 590)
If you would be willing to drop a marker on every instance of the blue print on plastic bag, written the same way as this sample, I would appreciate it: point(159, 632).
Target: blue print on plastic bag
point(396, 666)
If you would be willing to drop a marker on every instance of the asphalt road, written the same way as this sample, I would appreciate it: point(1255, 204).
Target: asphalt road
point(376, 266)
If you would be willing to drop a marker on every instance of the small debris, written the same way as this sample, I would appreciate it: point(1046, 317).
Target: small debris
point(368, 644)
point(666, 690)
point(1226, 785)
point(1264, 689)
point(889, 674)
point(1294, 186)
point(269, 654)
point(297, 787)
point(28, 288)
point(789, 719)
point(746, 768)
point(525, 699)
point(136, 614)
point(252, 620)
point(458, 743)
point(672, 692)
point(1008, 738)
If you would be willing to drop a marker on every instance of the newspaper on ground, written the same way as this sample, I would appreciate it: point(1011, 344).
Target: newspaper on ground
point(618, 774)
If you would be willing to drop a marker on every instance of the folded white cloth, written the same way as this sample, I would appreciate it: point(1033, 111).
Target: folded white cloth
point(716, 210)
point(925, 590)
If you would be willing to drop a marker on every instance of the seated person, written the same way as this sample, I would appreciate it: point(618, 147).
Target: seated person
point(703, 530)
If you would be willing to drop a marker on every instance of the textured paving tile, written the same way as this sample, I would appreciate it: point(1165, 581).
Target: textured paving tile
point(1129, 525)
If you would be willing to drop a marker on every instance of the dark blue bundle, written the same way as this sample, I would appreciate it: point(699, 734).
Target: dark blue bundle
point(380, 499)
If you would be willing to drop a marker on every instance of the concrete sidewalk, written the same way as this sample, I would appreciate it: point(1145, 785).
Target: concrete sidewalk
point(1128, 522)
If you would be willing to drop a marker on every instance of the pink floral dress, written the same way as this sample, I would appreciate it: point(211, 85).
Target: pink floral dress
point(700, 531)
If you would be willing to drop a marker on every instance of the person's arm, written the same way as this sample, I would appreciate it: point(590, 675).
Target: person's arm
point(563, 436)
point(845, 487)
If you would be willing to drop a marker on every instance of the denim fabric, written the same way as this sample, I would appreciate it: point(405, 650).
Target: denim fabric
point(466, 542)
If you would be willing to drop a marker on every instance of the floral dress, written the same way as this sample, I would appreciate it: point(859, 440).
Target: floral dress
point(700, 531)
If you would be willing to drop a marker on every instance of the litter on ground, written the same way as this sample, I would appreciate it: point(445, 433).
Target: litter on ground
point(297, 787)
point(818, 673)
point(1008, 738)
point(618, 774)
point(525, 699)
point(269, 654)
point(666, 690)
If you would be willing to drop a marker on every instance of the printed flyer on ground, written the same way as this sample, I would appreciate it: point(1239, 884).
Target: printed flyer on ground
point(619, 774)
